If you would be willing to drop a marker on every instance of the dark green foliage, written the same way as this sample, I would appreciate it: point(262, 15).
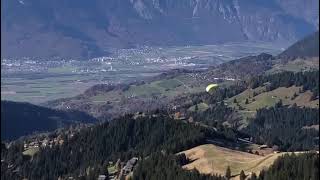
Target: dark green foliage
point(247, 101)
point(283, 126)
point(253, 176)
point(228, 173)
point(167, 167)
point(309, 80)
point(196, 108)
point(122, 138)
point(218, 95)
point(19, 119)
point(242, 175)
point(218, 112)
point(293, 167)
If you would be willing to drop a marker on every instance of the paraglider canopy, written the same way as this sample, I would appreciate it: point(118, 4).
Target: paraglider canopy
point(211, 86)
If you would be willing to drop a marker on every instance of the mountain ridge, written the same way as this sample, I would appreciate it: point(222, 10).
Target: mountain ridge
point(21, 119)
point(307, 47)
point(88, 29)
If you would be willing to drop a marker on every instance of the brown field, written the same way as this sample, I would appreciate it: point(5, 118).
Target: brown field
point(212, 159)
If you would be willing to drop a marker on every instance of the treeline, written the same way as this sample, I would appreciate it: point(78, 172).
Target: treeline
point(293, 167)
point(159, 166)
point(216, 96)
point(285, 127)
point(309, 80)
point(219, 94)
point(215, 116)
point(93, 148)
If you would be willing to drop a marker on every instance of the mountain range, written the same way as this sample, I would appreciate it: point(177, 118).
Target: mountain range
point(84, 29)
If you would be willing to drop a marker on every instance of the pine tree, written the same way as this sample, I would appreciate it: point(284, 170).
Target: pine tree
point(196, 108)
point(279, 103)
point(261, 175)
point(242, 175)
point(253, 176)
point(228, 173)
point(247, 101)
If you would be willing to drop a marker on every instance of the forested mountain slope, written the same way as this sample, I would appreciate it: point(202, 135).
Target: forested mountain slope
point(94, 147)
point(20, 119)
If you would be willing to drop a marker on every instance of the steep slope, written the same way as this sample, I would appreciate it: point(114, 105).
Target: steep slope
point(82, 29)
point(211, 159)
point(307, 47)
point(93, 148)
point(301, 56)
point(243, 68)
point(20, 119)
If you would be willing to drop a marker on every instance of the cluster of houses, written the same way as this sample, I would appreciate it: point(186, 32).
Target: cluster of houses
point(181, 116)
point(52, 139)
point(45, 142)
point(121, 169)
point(128, 168)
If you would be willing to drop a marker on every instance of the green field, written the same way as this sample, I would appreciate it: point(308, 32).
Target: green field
point(268, 99)
point(43, 89)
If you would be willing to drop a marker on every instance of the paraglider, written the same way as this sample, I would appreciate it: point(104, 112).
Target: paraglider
point(211, 87)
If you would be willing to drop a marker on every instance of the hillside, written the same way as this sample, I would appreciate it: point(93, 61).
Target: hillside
point(104, 101)
point(243, 68)
point(48, 29)
point(211, 159)
point(307, 47)
point(20, 119)
point(163, 146)
point(95, 147)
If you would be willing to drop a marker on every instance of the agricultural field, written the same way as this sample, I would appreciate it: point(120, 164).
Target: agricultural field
point(212, 159)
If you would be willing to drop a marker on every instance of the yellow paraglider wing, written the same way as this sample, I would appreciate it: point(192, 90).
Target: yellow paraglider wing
point(211, 86)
